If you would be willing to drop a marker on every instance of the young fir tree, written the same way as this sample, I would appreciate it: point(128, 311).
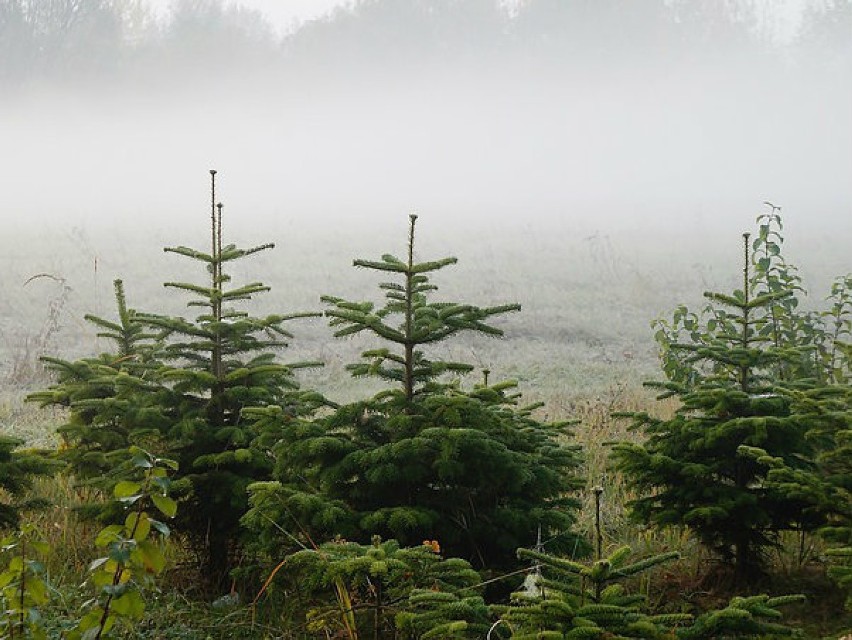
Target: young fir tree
point(562, 598)
point(689, 465)
point(574, 600)
point(422, 459)
point(111, 399)
point(215, 365)
point(818, 338)
point(382, 590)
point(17, 470)
point(827, 488)
point(568, 599)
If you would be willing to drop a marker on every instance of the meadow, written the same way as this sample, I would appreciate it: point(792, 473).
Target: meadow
point(581, 345)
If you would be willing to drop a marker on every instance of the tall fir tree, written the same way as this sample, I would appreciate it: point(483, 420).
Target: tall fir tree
point(215, 365)
point(689, 466)
point(422, 459)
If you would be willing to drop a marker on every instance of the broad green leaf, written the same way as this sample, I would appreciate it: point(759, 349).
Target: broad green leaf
point(165, 504)
point(141, 461)
point(137, 526)
point(108, 535)
point(129, 605)
point(162, 527)
point(126, 489)
point(168, 463)
point(119, 553)
point(152, 557)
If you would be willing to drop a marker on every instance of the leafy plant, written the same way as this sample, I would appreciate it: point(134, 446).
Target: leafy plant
point(23, 590)
point(134, 555)
point(835, 349)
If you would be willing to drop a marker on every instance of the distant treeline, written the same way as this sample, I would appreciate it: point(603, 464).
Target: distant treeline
point(74, 40)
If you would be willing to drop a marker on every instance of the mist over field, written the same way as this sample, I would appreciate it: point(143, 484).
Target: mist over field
point(596, 161)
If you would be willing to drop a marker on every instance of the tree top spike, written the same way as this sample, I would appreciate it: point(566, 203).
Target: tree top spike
point(412, 216)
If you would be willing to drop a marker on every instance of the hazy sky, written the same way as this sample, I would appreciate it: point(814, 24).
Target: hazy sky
point(537, 134)
point(281, 13)
point(284, 15)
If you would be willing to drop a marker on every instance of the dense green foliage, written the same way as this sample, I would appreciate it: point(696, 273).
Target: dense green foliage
point(134, 550)
point(214, 366)
point(134, 557)
point(381, 590)
point(423, 459)
point(178, 386)
point(564, 598)
point(825, 488)
point(737, 379)
point(112, 401)
point(24, 590)
point(17, 470)
point(567, 599)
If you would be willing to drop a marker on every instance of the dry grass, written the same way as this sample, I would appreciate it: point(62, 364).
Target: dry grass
point(71, 538)
point(34, 425)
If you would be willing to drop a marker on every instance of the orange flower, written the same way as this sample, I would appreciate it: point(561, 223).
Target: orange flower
point(433, 545)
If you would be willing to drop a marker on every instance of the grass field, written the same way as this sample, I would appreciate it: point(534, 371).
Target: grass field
point(582, 345)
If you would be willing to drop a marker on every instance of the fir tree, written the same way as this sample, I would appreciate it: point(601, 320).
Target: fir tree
point(422, 459)
point(574, 600)
point(825, 489)
point(382, 590)
point(567, 599)
point(422, 322)
point(689, 465)
point(111, 398)
point(818, 354)
point(215, 365)
point(17, 470)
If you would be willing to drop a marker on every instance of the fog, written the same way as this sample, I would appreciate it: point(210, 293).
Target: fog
point(448, 129)
point(660, 127)
point(462, 145)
